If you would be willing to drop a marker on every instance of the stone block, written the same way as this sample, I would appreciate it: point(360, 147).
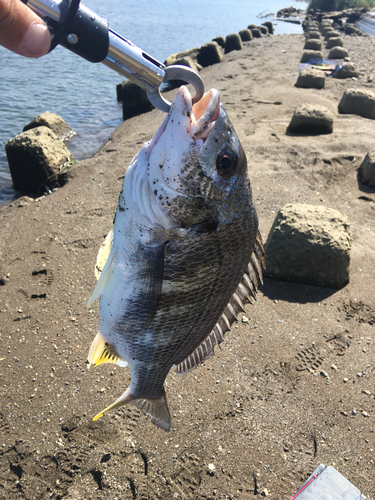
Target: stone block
point(233, 42)
point(366, 171)
point(52, 121)
point(358, 102)
point(347, 70)
point(309, 55)
point(210, 53)
point(311, 119)
point(310, 245)
point(246, 35)
point(334, 42)
point(311, 79)
point(313, 44)
point(338, 53)
point(35, 159)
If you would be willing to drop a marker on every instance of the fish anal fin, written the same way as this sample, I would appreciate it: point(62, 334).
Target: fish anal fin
point(155, 409)
point(101, 352)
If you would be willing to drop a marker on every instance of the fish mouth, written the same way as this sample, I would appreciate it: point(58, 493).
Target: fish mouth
point(204, 114)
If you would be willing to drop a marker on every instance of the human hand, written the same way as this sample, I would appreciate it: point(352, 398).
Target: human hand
point(22, 31)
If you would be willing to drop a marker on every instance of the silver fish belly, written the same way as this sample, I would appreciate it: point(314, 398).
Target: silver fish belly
point(184, 255)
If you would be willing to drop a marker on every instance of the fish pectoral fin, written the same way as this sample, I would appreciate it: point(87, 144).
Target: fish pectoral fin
point(101, 352)
point(103, 254)
point(155, 409)
point(102, 281)
point(150, 278)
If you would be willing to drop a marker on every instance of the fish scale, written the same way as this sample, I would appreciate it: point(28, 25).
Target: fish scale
point(184, 255)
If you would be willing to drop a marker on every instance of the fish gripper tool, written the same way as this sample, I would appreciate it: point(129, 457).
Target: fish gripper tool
point(83, 32)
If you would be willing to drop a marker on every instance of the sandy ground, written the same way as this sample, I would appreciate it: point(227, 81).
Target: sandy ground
point(257, 418)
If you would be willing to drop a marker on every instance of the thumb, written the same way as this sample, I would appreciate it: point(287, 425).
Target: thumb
point(22, 31)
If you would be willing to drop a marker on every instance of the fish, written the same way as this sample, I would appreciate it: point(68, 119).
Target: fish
point(184, 256)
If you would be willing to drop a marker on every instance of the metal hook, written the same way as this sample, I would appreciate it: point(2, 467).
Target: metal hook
point(177, 72)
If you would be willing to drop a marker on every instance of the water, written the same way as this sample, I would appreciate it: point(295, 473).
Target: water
point(84, 94)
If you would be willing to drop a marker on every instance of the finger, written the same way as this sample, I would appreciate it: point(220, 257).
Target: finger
point(22, 31)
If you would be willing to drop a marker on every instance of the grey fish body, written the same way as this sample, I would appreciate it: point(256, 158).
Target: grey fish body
point(184, 256)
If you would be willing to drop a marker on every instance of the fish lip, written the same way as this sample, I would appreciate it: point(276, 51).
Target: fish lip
point(204, 114)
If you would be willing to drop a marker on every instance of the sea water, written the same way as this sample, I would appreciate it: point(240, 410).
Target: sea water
point(84, 94)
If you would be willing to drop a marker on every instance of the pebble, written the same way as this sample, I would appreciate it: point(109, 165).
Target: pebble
point(245, 319)
point(211, 469)
point(265, 493)
point(324, 374)
point(365, 414)
point(334, 367)
point(366, 391)
point(345, 380)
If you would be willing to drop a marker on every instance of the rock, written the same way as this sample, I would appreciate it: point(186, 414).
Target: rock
point(134, 100)
point(311, 79)
point(313, 44)
point(309, 55)
point(313, 35)
point(331, 34)
point(338, 53)
point(311, 119)
point(366, 171)
point(269, 25)
point(193, 53)
point(347, 70)
point(35, 158)
point(334, 42)
point(256, 33)
point(233, 42)
point(310, 245)
point(220, 40)
point(52, 121)
point(246, 35)
point(210, 53)
point(263, 30)
point(252, 27)
point(358, 102)
point(188, 61)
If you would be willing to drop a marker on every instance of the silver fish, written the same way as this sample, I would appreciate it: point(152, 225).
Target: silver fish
point(184, 254)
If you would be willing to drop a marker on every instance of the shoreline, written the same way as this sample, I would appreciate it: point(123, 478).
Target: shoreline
point(259, 410)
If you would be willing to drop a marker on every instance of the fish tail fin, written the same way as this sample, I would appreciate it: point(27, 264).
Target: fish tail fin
point(101, 352)
point(156, 409)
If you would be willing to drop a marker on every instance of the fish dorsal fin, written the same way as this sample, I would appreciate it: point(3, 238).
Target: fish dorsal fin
point(101, 352)
point(103, 254)
point(245, 294)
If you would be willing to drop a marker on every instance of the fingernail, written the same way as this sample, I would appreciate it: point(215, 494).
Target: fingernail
point(37, 41)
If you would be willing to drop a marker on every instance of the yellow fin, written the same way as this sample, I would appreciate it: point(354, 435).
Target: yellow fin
point(103, 254)
point(100, 353)
point(101, 283)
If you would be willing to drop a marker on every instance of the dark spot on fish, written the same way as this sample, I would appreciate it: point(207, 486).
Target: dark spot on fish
point(106, 344)
point(160, 166)
point(188, 114)
point(155, 192)
point(121, 209)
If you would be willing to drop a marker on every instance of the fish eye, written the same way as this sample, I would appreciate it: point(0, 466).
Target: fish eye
point(226, 162)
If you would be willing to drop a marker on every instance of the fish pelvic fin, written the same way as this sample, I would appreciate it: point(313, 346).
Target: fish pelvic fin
point(155, 409)
point(103, 254)
point(101, 352)
point(101, 282)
